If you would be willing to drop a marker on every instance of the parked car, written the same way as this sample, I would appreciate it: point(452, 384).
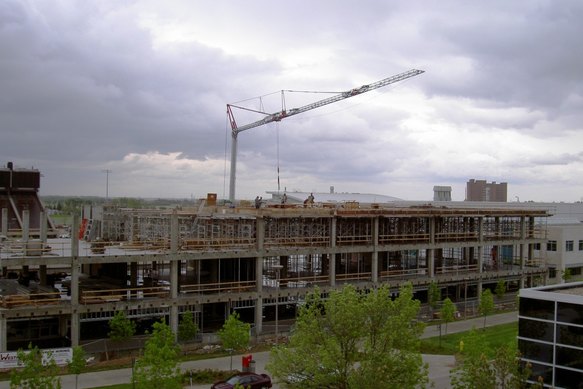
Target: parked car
point(246, 380)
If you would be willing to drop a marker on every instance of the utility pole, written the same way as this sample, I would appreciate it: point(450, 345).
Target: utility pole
point(106, 171)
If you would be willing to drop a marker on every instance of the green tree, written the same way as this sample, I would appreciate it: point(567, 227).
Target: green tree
point(33, 373)
point(158, 368)
point(486, 306)
point(566, 275)
point(480, 366)
point(472, 368)
point(353, 340)
point(187, 329)
point(433, 295)
point(121, 327)
point(448, 312)
point(234, 335)
point(77, 363)
point(500, 289)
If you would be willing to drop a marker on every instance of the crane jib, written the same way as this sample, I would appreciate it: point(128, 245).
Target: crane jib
point(278, 116)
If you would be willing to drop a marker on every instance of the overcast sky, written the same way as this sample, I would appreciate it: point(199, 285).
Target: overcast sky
point(140, 88)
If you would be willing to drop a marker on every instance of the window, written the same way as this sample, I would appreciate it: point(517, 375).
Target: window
point(552, 245)
point(538, 309)
point(581, 245)
point(569, 245)
point(537, 246)
point(552, 272)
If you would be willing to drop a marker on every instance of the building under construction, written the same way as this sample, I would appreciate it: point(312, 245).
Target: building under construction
point(212, 260)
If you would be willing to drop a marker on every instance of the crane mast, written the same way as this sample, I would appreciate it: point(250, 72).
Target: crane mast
point(278, 116)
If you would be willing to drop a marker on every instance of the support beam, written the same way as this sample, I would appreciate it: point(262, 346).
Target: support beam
point(3, 334)
point(75, 272)
point(4, 230)
point(43, 239)
point(375, 253)
point(332, 255)
point(25, 225)
point(174, 272)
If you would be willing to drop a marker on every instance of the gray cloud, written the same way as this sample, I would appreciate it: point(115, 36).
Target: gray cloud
point(141, 89)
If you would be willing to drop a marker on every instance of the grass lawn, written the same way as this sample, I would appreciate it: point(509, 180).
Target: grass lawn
point(496, 336)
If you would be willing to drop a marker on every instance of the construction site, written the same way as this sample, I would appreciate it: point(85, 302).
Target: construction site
point(212, 260)
point(260, 259)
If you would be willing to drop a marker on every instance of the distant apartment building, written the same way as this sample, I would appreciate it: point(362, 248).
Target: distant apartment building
point(442, 193)
point(480, 190)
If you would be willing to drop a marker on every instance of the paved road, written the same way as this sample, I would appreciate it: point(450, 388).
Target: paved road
point(439, 365)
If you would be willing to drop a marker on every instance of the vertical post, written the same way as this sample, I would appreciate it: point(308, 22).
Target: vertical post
point(277, 270)
point(375, 251)
point(3, 336)
point(232, 178)
point(25, 225)
point(260, 241)
point(106, 171)
point(174, 270)
point(431, 252)
point(43, 239)
point(4, 222)
point(332, 254)
point(75, 271)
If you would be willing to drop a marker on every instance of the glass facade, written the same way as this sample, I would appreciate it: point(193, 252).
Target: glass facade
point(570, 335)
point(568, 378)
point(536, 351)
point(539, 309)
point(570, 313)
point(551, 341)
point(536, 329)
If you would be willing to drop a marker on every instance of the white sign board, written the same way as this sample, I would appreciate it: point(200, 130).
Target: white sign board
point(62, 356)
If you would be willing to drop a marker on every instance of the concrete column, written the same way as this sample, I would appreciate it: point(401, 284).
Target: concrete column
point(174, 272)
point(375, 252)
point(480, 255)
point(44, 225)
point(481, 246)
point(75, 272)
point(259, 316)
point(4, 224)
point(25, 225)
point(43, 238)
point(522, 247)
point(431, 252)
point(4, 232)
point(260, 241)
point(133, 279)
point(332, 255)
point(431, 262)
point(3, 336)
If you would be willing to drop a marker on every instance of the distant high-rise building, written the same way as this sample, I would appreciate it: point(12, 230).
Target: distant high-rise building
point(442, 193)
point(480, 190)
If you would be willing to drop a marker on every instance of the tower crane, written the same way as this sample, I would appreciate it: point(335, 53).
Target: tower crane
point(284, 113)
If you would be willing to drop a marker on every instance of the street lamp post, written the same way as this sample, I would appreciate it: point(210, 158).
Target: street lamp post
point(277, 270)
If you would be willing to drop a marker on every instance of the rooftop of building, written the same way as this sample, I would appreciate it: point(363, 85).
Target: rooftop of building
point(571, 292)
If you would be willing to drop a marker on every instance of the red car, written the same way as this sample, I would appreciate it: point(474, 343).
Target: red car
point(245, 380)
